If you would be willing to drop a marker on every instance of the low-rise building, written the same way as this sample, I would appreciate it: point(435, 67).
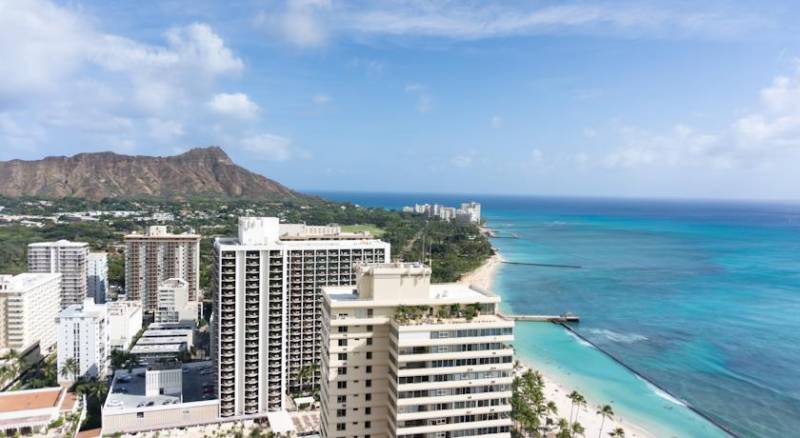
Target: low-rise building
point(408, 359)
point(29, 306)
point(31, 411)
point(161, 396)
point(124, 322)
point(82, 341)
point(161, 344)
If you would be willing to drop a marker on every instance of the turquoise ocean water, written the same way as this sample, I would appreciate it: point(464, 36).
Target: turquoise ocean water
point(701, 298)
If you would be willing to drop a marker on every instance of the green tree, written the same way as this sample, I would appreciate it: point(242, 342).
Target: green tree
point(69, 369)
point(577, 429)
point(606, 411)
point(564, 429)
point(618, 433)
point(580, 402)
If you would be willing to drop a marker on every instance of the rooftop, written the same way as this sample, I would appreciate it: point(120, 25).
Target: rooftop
point(158, 348)
point(13, 401)
point(60, 243)
point(446, 292)
point(128, 389)
point(25, 281)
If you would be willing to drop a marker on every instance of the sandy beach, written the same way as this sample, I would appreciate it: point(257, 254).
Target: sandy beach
point(483, 277)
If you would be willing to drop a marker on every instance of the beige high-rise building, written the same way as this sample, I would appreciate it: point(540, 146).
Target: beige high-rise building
point(156, 256)
point(404, 358)
point(29, 306)
point(68, 258)
point(266, 313)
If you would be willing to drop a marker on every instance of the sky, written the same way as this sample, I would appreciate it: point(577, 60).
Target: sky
point(582, 98)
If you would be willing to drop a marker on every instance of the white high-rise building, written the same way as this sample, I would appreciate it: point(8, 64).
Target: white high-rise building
point(266, 312)
point(97, 276)
point(29, 306)
point(407, 359)
point(68, 258)
point(173, 302)
point(157, 256)
point(123, 323)
point(82, 336)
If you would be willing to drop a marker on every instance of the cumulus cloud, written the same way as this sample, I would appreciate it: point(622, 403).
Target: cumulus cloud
point(268, 147)
point(234, 104)
point(63, 77)
point(303, 23)
point(762, 137)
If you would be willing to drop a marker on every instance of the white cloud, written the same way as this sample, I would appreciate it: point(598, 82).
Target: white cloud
point(761, 138)
point(424, 100)
point(314, 22)
point(234, 104)
point(165, 131)
point(464, 160)
point(268, 147)
point(321, 99)
point(70, 82)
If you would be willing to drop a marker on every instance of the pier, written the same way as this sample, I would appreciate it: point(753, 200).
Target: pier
point(544, 265)
point(560, 319)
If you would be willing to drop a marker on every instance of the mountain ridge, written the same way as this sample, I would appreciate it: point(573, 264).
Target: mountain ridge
point(202, 171)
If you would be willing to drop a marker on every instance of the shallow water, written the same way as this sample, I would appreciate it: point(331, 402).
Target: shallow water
point(702, 298)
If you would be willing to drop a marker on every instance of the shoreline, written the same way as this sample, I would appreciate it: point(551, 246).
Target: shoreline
point(554, 390)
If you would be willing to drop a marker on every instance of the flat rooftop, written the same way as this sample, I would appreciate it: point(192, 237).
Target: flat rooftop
point(13, 401)
point(158, 348)
point(59, 243)
point(162, 333)
point(444, 291)
point(196, 376)
point(161, 340)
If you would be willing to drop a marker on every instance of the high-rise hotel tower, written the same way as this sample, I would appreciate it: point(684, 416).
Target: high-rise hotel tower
point(266, 312)
point(407, 359)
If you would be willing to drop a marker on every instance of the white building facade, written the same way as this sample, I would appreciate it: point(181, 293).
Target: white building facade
point(65, 257)
point(124, 322)
point(173, 302)
point(405, 358)
point(97, 276)
point(82, 336)
point(267, 317)
point(29, 306)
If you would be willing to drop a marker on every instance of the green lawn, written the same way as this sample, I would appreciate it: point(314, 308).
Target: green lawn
point(372, 229)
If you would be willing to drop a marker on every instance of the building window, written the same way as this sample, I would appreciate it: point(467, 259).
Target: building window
point(368, 397)
point(140, 415)
point(369, 368)
point(341, 385)
point(369, 355)
point(369, 328)
point(342, 356)
point(341, 399)
point(369, 383)
point(342, 370)
point(341, 412)
point(342, 329)
point(367, 424)
point(367, 411)
point(369, 341)
point(340, 426)
point(342, 342)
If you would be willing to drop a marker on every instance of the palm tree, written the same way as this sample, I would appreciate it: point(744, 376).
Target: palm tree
point(577, 429)
point(606, 412)
point(551, 408)
point(573, 396)
point(69, 369)
point(564, 430)
point(618, 433)
point(579, 403)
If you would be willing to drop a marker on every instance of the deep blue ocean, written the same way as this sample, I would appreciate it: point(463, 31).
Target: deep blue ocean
point(700, 297)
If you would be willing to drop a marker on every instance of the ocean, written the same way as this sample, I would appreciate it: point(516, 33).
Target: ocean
point(701, 298)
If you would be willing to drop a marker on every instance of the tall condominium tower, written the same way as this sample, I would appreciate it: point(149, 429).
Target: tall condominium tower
point(97, 276)
point(267, 317)
point(82, 336)
point(65, 257)
point(404, 358)
point(156, 256)
point(28, 311)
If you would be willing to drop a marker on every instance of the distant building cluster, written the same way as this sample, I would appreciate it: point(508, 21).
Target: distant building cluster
point(297, 310)
point(467, 212)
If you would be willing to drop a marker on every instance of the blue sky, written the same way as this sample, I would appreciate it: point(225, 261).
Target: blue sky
point(626, 98)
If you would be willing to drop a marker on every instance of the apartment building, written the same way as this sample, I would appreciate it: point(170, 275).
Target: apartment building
point(404, 358)
point(82, 336)
point(68, 258)
point(29, 306)
point(156, 256)
point(173, 302)
point(267, 317)
point(97, 276)
point(124, 322)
